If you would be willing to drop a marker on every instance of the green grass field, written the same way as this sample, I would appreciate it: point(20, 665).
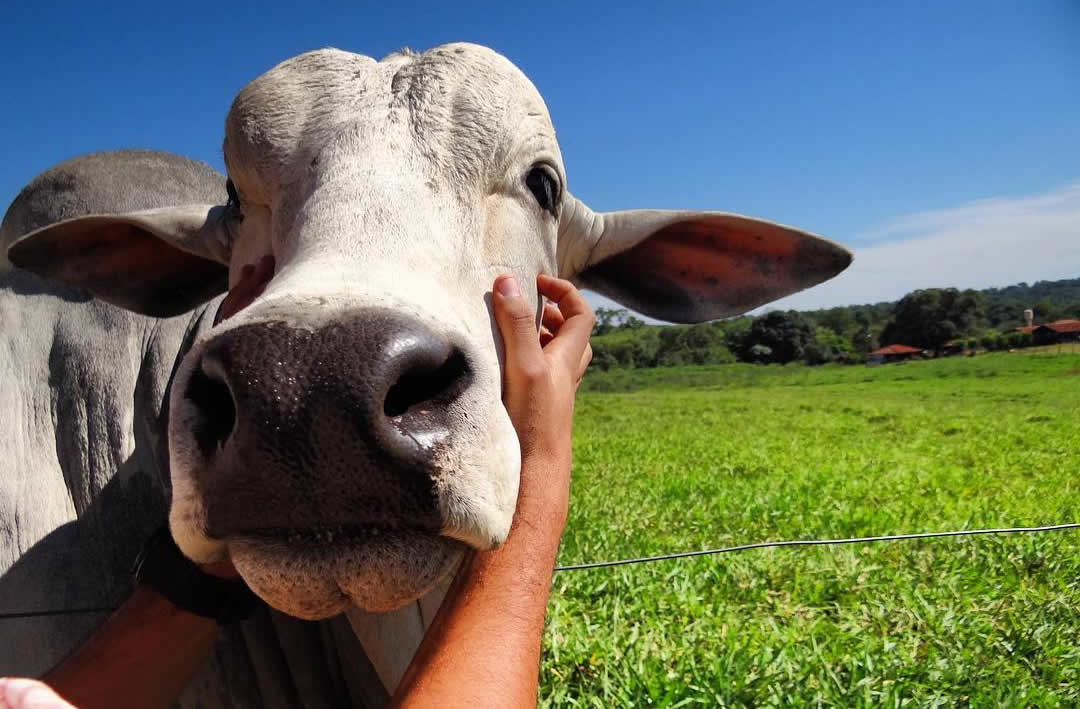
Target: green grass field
point(689, 458)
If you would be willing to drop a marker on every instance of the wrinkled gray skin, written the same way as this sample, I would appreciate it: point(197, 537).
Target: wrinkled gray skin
point(82, 476)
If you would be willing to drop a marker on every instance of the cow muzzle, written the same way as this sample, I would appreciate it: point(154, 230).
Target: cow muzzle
point(320, 456)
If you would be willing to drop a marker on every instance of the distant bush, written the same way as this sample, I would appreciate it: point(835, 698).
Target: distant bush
point(693, 344)
point(828, 346)
point(644, 346)
point(1017, 340)
point(990, 340)
point(636, 347)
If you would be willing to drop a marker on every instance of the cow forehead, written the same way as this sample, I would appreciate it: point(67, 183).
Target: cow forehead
point(462, 107)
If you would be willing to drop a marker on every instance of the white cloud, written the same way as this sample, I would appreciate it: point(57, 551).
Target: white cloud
point(989, 242)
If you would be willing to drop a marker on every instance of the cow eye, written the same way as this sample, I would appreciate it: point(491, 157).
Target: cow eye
point(543, 182)
point(231, 191)
point(232, 207)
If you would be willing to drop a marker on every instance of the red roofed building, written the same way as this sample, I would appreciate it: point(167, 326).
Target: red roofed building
point(1055, 332)
point(895, 353)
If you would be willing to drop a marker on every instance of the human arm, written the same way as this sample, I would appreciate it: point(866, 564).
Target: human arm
point(145, 653)
point(483, 647)
point(142, 655)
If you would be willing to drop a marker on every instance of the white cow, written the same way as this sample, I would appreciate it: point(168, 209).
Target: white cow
point(342, 438)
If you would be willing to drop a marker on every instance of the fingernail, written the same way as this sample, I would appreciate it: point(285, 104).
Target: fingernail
point(508, 287)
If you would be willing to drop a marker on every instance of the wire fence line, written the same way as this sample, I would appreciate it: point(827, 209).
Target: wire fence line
point(819, 542)
point(680, 555)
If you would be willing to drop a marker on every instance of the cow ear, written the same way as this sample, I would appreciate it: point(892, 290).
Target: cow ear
point(690, 266)
point(158, 262)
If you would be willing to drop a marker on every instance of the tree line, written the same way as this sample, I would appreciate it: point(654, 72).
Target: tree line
point(932, 318)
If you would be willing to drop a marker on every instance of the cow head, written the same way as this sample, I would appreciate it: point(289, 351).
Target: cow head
point(341, 438)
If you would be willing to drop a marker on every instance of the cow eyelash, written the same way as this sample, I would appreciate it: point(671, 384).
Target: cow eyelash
point(230, 189)
point(544, 184)
point(232, 206)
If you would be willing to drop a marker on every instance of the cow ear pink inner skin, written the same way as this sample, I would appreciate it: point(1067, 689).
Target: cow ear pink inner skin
point(253, 280)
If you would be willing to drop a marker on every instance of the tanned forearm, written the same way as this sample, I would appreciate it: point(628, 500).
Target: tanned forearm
point(483, 647)
point(145, 654)
point(142, 656)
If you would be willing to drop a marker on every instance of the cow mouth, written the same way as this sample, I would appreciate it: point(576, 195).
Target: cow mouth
point(318, 572)
point(321, 536)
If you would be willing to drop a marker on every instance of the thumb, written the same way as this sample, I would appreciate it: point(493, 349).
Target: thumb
point(517, 326)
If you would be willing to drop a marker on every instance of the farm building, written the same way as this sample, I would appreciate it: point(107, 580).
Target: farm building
point(894, 353)
point(952, 347)
point(1055, 332)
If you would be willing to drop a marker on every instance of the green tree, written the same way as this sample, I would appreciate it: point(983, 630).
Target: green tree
point(692, 344)
point(606, 320)
point(735, 333)
point(1003, 314)
point(785, 334)
point(862, 341)
point(929, 318)
point(990, 340)
point(1045, 312)
point(828, 346)
point(839, 320)
point(627, 348)
point(611, 319)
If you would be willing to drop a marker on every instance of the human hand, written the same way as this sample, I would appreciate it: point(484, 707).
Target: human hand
point(19, 693)
point(540, 377)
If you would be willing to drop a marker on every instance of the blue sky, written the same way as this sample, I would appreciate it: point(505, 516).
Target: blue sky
point(939, 140)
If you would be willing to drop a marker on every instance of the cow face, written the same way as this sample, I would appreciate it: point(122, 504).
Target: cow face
point(342, 437)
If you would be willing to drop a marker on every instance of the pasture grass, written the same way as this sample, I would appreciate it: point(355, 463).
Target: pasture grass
point(691, 458)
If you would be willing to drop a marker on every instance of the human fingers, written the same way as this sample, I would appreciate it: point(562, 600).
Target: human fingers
point(579, 319)
point(583, 365)
point(514, 316)
point(569, 299)
point(551, 321)
point(553, 287)
point(552, 317)
point(18, 693)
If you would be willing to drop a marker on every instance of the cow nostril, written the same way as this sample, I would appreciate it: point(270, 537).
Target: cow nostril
point(217, 413)
point(421, 385)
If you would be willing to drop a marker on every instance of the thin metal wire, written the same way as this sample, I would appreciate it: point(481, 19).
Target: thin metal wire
point(686, 554)
point(818, 542)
